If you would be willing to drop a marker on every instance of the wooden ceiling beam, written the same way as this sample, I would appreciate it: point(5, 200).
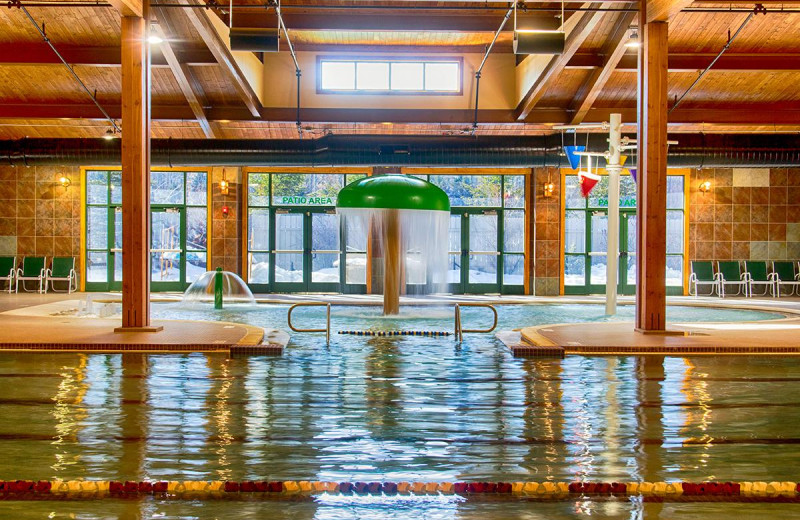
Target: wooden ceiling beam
point(613, 50)
point(183, 75)
point(732, 114)
point(388, 20)
point(128, 7)
point(662, 10)
point(201, 23)
point(586, 23)
point(41, 54)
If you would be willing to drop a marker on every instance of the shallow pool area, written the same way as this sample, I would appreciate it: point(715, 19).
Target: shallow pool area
point(399, 409)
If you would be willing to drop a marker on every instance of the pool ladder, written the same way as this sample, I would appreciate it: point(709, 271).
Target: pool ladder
point(458, 332)
point(459, 328)
point(326, 330)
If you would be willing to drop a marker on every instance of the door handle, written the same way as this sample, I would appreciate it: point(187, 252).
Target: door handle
point(623, 253)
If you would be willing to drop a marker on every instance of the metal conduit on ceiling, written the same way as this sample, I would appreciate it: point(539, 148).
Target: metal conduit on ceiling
point(692, 151)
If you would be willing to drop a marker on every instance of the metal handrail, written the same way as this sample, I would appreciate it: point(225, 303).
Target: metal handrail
point(326, 330)
point(459, 328)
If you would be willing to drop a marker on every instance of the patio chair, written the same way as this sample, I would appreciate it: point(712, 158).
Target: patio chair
point(756, 273)
point(8, 265)
point(730, 273)
point(62, 270)
point(703, 274)
point(32, 269)
point(783, 273)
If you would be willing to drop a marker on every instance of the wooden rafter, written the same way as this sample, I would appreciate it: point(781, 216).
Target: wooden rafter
point(756, 114)
point(183, 74)
point(201, 23)
point(612, 52)
point(40, 54)
point(663, 10)
point(692, 62)
point(128, 7)
point(586, 23)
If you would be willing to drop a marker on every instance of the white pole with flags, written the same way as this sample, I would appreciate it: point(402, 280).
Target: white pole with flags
point(613, 168)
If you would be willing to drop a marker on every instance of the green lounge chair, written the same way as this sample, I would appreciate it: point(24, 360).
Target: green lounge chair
point(63, 270)
point(730, 273)
point(32, 269)
point(756, 273)
point(703, 274)
point(8, 266)
point(783, 273)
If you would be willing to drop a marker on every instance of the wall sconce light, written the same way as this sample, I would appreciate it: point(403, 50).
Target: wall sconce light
point(548, 189)
point(224, 187)
point(225, 211)
point(633, 39)
point(705, 187)
point(64, 181)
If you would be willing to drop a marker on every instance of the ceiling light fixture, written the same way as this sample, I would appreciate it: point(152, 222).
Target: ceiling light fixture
point(633, 39)
point(537, 36)
point(110, 134)
point(154, 39)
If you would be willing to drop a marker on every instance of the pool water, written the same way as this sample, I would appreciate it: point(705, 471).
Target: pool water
point(394, 409)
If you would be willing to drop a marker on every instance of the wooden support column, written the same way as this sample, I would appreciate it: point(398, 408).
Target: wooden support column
point(652, 186)
point(135, 173)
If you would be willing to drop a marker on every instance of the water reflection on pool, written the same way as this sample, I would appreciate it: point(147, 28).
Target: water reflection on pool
point(396, 409)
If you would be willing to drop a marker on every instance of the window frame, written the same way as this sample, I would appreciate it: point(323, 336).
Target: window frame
point(459, 60)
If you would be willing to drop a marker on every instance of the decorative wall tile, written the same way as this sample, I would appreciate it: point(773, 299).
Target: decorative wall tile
point(777, 251)
point(759, 250)
point(751, 177)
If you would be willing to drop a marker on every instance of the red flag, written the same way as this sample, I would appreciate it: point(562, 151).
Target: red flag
point(588, 180)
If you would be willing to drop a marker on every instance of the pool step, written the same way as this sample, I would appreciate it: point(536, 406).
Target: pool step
point(520, 348)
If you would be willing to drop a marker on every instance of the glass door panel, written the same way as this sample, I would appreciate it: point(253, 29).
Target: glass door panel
point(289, 238)
point(165, 247)
point(117, 250)
point(598, 249)
point(483, 252)
point(627, 254)
point(325, 249)
point(356, 236)
point(454, 257)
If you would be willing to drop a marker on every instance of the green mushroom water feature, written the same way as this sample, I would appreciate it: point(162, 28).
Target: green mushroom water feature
point(408, 219)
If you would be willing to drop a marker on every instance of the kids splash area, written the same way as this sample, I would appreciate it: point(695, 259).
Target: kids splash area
point(338, 259)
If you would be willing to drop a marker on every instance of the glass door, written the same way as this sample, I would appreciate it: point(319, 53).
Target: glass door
point(289, 270)
point(482, 232)
point(627, 252)
point(597, 249)
point(325, 251)
point(167, 269)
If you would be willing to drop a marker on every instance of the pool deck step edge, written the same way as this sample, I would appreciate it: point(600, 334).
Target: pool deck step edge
point(522, 347)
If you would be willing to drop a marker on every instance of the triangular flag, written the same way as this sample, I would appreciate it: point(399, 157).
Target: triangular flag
point(622, 159)
point(587, 180)
point(633, 173)
point(573, 158)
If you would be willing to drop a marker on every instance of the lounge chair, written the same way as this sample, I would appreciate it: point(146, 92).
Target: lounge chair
point(703, 274)
point(32, 269)
point(63, 270)
point(730, 273)
point(756, 273)
point(8, 265)
point(783, 273)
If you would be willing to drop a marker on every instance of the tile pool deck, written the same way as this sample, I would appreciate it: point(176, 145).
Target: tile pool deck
point(33, 322)
point(42, 322)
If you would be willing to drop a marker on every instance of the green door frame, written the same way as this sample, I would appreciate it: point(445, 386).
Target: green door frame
point(306, 285)
point(180, 284)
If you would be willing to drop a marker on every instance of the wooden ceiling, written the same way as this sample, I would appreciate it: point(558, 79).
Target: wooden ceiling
point(751, 89)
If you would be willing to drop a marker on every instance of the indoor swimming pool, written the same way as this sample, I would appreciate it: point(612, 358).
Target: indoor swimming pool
point(398, 409)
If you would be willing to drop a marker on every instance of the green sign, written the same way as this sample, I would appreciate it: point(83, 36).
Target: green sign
point(627, 202)
point(306, 201)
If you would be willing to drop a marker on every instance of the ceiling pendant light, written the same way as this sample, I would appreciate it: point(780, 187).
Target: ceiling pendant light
point(254, 39)
point(534, 36)
point(633, 40)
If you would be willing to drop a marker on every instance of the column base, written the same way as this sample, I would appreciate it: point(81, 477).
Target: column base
point(153, 328)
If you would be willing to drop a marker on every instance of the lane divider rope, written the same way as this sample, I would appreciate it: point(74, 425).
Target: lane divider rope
point(22, 489)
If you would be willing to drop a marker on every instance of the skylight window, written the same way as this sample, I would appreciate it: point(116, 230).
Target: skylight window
point(390, 76)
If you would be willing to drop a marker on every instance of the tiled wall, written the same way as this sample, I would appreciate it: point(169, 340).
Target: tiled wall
point(750, 214)
point(38, 216)
point(546, 270)
point(226, 247)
